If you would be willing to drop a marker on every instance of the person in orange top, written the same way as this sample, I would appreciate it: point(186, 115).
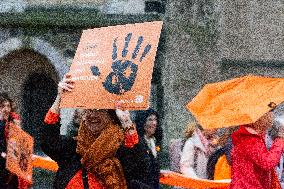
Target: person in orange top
point(219, 163)
point(72, 174)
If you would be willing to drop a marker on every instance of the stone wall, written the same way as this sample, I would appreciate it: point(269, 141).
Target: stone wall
point(56, 47)
point(106, 6)
point(213, 40)
point(190, 59)
point(252, 30)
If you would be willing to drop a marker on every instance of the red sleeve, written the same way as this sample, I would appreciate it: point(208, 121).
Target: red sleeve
point(15, 116)
point(267, 160)
point(51, 118)
point(130, 138)
point(23, 184)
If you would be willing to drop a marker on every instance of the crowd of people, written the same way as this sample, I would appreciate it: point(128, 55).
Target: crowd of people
point(250, 155)
point(109, 150)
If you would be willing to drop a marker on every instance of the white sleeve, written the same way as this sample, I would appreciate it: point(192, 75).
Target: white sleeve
point(187, 160)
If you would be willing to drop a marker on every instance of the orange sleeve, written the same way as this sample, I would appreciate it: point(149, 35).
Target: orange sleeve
point(130, 137)
point(23, 184)
point(15, 116)
point(51, 118)
point(222, 169)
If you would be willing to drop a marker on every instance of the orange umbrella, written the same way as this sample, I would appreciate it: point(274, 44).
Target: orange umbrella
point(237, 101)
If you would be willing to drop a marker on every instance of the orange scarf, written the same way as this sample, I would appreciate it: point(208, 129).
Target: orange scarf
point(98, 154)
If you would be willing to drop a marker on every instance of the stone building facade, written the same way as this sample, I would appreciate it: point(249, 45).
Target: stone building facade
point(202, 41)
point(214, 40)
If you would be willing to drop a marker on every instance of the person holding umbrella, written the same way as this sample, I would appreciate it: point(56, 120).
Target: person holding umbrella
point(247, 101)
point(252, 164)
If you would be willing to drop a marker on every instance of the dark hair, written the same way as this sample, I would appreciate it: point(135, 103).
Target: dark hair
point(5, 97)
point(140, 120)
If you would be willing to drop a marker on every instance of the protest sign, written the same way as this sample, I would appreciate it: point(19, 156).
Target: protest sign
point(113, 64)
point(19, 152)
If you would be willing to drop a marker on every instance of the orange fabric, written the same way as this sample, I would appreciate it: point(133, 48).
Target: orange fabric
point(222, 169)
point(238, 101)
point(23, 184)
point(51, 118)
point(44, 163)
point(172, 178)
point(130, 139)
point(135, 88)
point(15, 117)
point(179, 180)
point(98, 154)
point(275, 184)
point(77, 182)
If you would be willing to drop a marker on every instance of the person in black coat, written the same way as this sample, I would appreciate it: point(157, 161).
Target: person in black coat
point(141, 163)
point(61, 148)
point(7, 180)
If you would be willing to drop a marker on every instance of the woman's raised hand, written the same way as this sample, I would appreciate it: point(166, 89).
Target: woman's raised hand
point(66, 84)
point(123, 115)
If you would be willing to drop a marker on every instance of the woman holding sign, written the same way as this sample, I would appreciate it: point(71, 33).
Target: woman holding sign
point(92, 140)
point(8, 115)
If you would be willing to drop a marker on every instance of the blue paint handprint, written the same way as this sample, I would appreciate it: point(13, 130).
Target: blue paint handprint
point(124, 73)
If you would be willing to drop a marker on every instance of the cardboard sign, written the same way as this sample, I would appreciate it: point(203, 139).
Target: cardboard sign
point(19, 153)
point(113, 64)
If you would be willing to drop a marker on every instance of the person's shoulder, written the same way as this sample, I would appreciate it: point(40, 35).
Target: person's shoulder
point(115, 130)
point(189, 142)
point(15, 116)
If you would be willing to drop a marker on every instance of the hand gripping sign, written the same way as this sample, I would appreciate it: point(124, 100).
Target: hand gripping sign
point(113, 64)
point(19, 153)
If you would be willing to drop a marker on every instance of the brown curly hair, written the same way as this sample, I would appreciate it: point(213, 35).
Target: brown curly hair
point(4, 97)
point(189, 130)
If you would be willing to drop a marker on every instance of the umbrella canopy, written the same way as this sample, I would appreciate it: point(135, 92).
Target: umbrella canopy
point(237, 101)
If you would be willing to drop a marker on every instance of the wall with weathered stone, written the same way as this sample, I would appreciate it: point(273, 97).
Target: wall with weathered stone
point(213, 40)
point(56, 46)
point(106, 6)
point(190, 59)
point(252, 30)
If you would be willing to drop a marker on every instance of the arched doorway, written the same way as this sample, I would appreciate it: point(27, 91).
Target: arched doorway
point(30, 79)
point(39, 92)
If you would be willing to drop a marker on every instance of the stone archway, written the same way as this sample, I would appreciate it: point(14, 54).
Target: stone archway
point(39, 92)
point(31, 80)
point(53, 55)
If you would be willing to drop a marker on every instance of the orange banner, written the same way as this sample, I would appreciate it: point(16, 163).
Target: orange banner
point(44, 163)
point(113, 64)
point(176, 179)
point(166, 177)
point(19, 153)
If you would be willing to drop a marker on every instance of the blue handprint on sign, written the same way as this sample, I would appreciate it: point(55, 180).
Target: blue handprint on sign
point(124, 73)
